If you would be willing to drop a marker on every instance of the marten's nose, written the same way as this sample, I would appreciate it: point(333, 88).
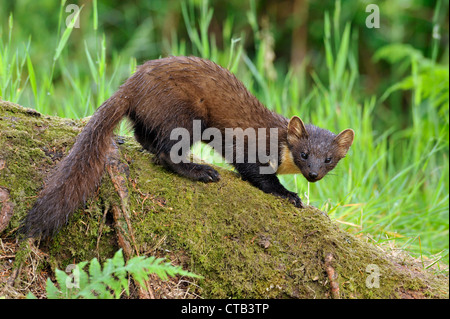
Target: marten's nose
point(313, 175)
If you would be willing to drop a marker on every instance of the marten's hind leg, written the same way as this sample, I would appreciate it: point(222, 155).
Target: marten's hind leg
point(145, 137)
point(161, 145)
point(194, 171)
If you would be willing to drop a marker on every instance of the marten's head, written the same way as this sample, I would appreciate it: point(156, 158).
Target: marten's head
point(313, 151)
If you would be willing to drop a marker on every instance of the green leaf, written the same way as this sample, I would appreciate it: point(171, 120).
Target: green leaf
point(95, 269)
point(343, 53)
point(66, 34)
point(91, 64)
point(52, 291)
point(32, 77)
point(94, 4)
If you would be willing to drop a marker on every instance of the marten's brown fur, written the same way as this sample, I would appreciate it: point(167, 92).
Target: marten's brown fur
point(171, 93)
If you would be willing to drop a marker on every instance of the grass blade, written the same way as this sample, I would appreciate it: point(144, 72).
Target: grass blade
point(66, 34)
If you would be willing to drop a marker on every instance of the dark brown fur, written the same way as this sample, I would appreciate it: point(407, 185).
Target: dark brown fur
point(162, 95)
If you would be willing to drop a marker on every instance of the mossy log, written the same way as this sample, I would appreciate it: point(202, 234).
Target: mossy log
point(246, 244)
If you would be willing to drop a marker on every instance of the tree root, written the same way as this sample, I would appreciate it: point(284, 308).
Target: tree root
point(121, 215)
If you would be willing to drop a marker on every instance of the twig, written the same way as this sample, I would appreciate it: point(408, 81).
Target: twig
point(332, 276)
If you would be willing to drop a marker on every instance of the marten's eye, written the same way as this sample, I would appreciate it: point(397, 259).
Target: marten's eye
point(328, 160)
point(304, 155)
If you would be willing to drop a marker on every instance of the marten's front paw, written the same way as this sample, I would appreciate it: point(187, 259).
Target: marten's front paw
point(205, 173)
point(295, 199)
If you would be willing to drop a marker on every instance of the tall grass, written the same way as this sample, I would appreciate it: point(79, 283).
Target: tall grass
point(394, 182)
point(59, 85)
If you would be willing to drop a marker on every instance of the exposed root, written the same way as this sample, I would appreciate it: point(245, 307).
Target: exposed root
point(6, 211)
point(332, 276)
point(125, 234)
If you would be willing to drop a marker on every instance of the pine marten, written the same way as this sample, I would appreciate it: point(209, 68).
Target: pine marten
point(171, 93)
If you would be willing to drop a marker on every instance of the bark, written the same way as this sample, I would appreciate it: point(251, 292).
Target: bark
point(246, 244)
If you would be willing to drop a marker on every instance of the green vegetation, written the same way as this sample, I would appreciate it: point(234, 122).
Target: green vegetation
point(389, 84)
point(109, 281)
point(254, 246)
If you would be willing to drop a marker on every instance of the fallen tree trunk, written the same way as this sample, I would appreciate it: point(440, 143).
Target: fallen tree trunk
point(246, 244)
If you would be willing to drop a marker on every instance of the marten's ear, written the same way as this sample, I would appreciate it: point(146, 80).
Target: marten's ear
point(296, 130)
point(344, 140)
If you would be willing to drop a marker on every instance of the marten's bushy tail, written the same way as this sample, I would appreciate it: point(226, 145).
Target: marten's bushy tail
point(79, 173)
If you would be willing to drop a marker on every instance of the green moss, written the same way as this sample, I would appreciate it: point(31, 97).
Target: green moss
point(221, 226)
point(25, 140)
point(245, 243)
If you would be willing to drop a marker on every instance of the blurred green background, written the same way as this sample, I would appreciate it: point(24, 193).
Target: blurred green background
point(315, 59)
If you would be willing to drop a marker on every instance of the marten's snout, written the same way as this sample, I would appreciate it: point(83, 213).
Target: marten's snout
point(312, 176)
